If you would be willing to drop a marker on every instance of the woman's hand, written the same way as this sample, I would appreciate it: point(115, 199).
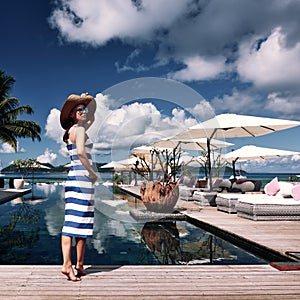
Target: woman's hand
point(92, 177)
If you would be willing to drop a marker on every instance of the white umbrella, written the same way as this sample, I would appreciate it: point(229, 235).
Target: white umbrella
point(199, 144)
point(114, 165)
point(233, 126)
point(251, 152)
point(149, 149)
point(128, 161)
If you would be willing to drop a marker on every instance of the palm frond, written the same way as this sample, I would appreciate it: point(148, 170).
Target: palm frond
point(7, 137)
point(24, 128)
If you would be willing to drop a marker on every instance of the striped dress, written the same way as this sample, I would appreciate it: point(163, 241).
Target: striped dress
point(79, 196)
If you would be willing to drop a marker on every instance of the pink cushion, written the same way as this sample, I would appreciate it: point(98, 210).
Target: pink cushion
point(272, 188)
point(296, 192)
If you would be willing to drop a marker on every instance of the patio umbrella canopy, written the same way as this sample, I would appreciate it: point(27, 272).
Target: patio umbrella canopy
point(149, 149)
point(198, 144)
point(233, 126)
point(114, 165)
point(251, 152)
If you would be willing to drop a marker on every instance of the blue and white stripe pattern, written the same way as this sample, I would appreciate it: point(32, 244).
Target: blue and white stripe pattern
point(79, 196)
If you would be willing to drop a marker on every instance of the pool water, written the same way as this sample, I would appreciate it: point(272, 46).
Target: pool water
point(30, 234)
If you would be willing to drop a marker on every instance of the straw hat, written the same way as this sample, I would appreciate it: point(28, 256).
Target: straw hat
point(73, 100)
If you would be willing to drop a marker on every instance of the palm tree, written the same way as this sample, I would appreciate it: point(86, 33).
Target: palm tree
point(10, 127)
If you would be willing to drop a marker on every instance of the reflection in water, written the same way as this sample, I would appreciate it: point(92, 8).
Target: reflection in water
point(30, 232)
point(173, 246)
point(162, 240)
point(12, 238)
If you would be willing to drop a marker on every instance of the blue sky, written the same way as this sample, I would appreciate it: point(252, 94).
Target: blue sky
point(205, 58)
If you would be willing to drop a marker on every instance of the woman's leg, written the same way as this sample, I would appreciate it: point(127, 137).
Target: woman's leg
point(80, 250)
point(67, 269)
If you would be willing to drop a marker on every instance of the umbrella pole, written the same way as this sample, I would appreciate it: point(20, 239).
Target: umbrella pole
point(233, 168)
point(209, 164)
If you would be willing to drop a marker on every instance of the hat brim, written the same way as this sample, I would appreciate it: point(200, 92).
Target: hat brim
point(68, 106)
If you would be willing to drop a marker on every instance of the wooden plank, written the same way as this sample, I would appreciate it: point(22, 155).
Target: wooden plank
point(151, 282)
point(7, 195)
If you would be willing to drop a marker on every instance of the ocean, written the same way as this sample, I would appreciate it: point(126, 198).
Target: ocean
point(107, 177)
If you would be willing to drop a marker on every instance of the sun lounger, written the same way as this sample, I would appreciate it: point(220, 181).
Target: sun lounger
point(266, 208)
point(227, 201)
point(205, 198)
point(275, 203)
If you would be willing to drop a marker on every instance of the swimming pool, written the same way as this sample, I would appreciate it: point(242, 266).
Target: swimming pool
point(30, 234)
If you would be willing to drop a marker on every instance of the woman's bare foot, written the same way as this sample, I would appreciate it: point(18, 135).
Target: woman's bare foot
point(68, 271)
point(80, 271)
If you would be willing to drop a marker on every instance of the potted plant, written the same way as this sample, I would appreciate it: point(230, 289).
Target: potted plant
point(162, 195)
point(24, 166)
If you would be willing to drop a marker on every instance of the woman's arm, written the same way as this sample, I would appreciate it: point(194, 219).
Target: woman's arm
point(89, 123)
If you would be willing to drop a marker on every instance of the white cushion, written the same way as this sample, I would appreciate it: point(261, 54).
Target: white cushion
point(285, 188)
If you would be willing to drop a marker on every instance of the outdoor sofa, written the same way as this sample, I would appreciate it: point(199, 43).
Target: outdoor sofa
point(211, 196)
point(274, 203)
point(266, 209)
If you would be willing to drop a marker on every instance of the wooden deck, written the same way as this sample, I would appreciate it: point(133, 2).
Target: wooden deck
point(151, 282)
point(10, 194)
point(173, 282)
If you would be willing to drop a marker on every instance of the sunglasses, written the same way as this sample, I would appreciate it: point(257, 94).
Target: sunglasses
point(82, 110)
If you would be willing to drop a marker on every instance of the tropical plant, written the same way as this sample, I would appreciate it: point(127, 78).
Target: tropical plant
point(10, 127)
point(25, 165)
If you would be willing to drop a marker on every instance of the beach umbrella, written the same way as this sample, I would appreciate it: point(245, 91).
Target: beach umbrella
point(148, 149)
point(114, 165)
point(233, 126)
point(195, 144)
point(251, 152)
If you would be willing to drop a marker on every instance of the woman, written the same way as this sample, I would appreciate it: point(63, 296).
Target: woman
point(77, 115)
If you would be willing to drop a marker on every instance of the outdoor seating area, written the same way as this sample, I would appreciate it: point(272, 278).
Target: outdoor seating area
point(278, 201)
point(194, 189)
point(265, 209)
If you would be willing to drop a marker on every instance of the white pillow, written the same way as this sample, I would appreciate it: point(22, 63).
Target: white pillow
point(285, 188)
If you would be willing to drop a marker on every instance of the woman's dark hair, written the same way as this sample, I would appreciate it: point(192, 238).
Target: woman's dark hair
point(71, 122)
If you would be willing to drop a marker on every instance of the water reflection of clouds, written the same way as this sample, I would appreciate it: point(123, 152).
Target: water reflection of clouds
point(45, 188)
point(54, 214)
point(104, 228)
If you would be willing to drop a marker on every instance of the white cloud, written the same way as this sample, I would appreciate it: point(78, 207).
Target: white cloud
point(238, 102)
point(53, 128)
point(200, 34)
point(272, 64)
point(47, 157)
point(136, 123)
point(199, 68)
point(6, 148)
point(271, 165)
point(97, 22)
point(285, 105)
point(202, 111)
point(124, 127)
